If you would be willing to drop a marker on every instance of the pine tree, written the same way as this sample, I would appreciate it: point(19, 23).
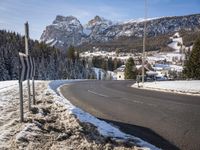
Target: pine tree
point(71, 53)
point(130, 70)
point(192, 67)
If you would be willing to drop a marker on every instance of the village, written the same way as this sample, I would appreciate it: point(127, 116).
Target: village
point(158, 65)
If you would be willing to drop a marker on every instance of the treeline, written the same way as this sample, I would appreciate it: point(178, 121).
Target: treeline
point(106, 63)
point(50, 62)
point(131, 44)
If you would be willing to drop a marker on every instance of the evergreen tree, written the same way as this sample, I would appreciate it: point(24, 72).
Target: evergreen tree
point(115, 64)
point(104, 65)
point(110, 64)
point(130, 69)
point(192, 66)
point(71, 53)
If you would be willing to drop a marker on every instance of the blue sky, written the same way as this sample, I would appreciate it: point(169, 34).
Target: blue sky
point(40, 13)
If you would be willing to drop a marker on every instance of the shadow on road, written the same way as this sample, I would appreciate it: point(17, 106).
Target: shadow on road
point(144, 133)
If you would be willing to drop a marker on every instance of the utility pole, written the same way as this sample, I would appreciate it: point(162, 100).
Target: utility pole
point(73, 37)
point(33, 83)
point(144, 41)
point(27, 53)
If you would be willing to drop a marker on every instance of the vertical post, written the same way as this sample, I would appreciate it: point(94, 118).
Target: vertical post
point(144, 41)
point(27, 53)
point(21, 101)
point(138, 80)
point(33, 82)
point(26, 38)
point(33, 85)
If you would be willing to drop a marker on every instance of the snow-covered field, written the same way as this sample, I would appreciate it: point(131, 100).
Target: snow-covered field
point(55, 123)
point(185, 87)
point(121, 56)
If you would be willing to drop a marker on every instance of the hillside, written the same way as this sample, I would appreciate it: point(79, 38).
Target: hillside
point(134, 44)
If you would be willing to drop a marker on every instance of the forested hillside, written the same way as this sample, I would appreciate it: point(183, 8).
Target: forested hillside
point(50, 62)
point(135, 44)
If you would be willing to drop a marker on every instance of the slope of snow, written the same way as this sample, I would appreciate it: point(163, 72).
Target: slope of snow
point(49, 41)
point(172, 57)
point(104, 128)
point(174, 45)
point(53, 43)
point(139, 20)
point(185, 87)
point(176, 40)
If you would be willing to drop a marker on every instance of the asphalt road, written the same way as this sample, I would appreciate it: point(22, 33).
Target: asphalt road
point(169, 121)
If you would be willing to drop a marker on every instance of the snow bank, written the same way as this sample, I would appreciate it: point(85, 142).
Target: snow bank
point(6, 85)
point(185, 87)
point(104, 128)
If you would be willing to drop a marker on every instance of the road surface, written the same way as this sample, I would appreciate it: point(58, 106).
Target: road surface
point(169, 121)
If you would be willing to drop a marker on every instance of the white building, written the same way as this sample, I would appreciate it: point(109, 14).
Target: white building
point(120, 73)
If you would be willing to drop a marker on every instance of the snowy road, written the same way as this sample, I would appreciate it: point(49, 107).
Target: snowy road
point(170, 121)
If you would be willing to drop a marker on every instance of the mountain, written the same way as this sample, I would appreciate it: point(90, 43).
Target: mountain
point(99, 30)
point(63, 32)
point(94, 29)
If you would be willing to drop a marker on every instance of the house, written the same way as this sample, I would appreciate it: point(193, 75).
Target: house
point(162, 69)
point(120, 73)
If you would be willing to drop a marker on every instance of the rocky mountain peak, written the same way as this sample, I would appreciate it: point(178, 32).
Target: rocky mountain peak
point(99, 20)
point(60, 18)
point(64, 31)
point(66, 21)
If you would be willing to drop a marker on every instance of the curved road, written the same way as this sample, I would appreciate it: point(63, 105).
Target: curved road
point(169, 121)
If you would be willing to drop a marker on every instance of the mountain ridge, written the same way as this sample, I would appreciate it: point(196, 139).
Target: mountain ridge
point(66, 31)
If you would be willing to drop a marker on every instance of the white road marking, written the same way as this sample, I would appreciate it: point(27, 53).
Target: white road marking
point(97, 93)
point(140, 102)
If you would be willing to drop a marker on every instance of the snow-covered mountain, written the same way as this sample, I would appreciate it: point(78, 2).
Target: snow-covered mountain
point(95, 28)
point(63, 32)
point(68, 30)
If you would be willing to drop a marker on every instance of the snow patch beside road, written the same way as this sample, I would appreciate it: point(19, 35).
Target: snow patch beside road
point(184, 87)
point(6, 85)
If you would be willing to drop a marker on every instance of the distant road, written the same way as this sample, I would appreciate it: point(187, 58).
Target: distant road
point(169, 121)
